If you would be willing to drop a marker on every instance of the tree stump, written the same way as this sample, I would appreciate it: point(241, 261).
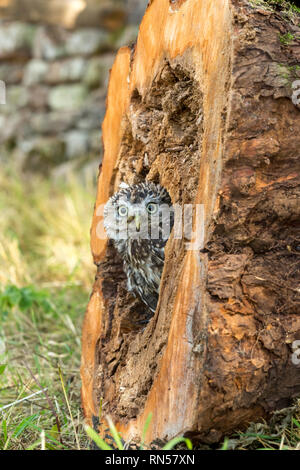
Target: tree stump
point(202, 104)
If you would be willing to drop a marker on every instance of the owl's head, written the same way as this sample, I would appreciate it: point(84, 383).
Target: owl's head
point(141, 211)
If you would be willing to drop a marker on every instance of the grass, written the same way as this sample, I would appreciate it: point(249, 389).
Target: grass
point(282, 432)
point(46, 274)
point(37, 341)
point(44, 235)
point(289, 10)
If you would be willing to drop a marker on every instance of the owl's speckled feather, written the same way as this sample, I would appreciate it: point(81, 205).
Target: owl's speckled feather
point(140, 236)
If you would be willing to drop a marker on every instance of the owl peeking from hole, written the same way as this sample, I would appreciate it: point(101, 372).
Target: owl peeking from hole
point(139, 219)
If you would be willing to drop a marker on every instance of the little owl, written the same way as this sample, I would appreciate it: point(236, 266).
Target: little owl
point(139, 219)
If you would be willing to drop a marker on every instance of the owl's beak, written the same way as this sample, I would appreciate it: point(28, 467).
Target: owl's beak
point(137, 222)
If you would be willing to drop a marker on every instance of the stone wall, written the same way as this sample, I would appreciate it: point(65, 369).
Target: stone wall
point(56, 79)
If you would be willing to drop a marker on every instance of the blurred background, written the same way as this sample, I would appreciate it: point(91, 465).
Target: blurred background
point(55, 57)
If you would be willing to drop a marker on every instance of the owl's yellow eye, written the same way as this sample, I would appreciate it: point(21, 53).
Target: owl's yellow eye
point(152, 208)
point(123, 211)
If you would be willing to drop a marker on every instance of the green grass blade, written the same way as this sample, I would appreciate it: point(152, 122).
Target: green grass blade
point(115, 434)
point(34, 445)
point(97, 439)
point(24, 424)
point(177, 440)
point(145, 429)
point(4, 430)
point(296, 422)
point(225, 444)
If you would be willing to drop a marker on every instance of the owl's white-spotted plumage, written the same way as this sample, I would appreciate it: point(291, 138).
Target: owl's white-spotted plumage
point(139, 219)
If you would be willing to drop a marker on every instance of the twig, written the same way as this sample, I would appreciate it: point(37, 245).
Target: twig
point(277, 284)
point(43, 440)
point(23, 399)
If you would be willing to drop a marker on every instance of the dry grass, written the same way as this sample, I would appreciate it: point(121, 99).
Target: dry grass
point(45, 230)
point(46, 273)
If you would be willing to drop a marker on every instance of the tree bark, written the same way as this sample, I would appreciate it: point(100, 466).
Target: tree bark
point(202, 104)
